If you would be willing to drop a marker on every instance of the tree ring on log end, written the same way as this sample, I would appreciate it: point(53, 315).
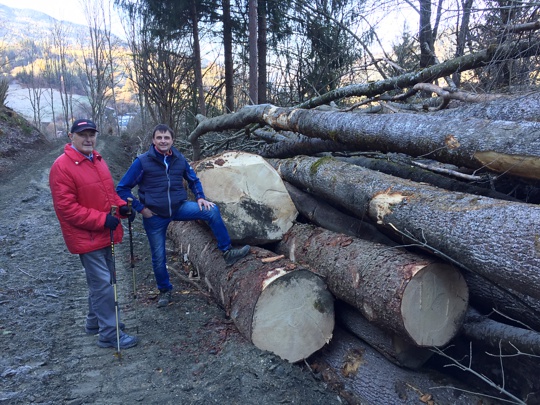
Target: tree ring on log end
point(294, 316)
point(434, 304)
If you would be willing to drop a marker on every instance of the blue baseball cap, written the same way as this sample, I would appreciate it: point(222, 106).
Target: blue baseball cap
point(81, 125)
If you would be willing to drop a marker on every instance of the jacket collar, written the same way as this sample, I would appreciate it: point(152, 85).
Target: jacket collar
point(77, 156)
point(154, 153)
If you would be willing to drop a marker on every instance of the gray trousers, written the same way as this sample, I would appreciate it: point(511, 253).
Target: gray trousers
point(98, 266)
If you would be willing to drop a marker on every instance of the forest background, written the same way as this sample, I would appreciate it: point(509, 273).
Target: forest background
point(179, 59)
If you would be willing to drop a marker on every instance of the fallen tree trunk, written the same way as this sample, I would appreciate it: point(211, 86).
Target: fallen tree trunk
point(361, 375)
point(501, 338)
point(403, 167)
point(501, 146)
point(324, 215)
point(521, 107)
point(497, 239)
point(394, 348)
point(515, 307)
point(475, 60)
point(415, 297)
point(275, 304)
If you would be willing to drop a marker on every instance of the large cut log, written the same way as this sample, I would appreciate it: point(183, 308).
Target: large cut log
point(251, 196)
point(494, 238)
point(363, 376)
point(275, 304)
point(420, 299)
point(394, 348)
point(324, 215)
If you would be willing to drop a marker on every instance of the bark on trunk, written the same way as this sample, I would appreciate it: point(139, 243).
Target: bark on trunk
point(523, 107)
point(394, 348)
point(362, 375)
point(324, 215)
point(496, 239)
point(512, 305)
point(275, 304)
point(419, 299)
point(403, 167)
point(499, 337)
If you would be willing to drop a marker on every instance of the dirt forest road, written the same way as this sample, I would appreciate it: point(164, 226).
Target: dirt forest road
point(189, 352)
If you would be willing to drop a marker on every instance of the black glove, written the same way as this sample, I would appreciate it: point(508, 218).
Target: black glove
point(124, 212)
point(111, 222)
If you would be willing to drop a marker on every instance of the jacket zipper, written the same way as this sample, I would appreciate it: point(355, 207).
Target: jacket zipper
point(168, 184)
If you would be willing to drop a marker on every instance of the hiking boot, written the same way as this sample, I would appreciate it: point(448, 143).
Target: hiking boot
point(231, 256)
point(126, 341)
point(164, 298)
point(95, 330)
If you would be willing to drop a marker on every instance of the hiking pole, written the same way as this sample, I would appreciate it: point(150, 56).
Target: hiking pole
point(129, 203)
point(113, 282)
point(130, 207)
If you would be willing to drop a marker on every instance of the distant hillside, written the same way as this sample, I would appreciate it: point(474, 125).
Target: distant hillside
point(23, 24)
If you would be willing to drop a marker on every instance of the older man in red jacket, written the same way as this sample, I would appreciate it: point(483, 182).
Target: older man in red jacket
point(83, 193)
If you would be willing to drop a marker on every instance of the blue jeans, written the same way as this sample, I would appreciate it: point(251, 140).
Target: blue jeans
point(156, 231)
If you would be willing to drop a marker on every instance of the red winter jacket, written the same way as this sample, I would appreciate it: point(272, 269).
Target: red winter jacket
point(83, 194)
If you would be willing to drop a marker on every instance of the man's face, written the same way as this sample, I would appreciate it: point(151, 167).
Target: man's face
point(84, 141)
point(163, 141)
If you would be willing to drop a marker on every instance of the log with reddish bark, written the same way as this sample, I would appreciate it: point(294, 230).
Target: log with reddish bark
point(397, 350)
point(362, 375)
point(421, 300)
point(277, 305)
point(494, 238)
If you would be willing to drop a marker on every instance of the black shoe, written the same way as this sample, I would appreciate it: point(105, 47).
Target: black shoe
point(95, 330)
point(126, 341)
point(231, 256)
point(165, 297)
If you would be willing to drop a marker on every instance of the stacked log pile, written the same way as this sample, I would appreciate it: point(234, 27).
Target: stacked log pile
point(434, 264)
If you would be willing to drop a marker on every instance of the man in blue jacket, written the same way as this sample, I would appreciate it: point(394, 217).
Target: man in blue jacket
point(159, 174)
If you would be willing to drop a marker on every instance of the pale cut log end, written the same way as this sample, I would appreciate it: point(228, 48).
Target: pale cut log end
point(434, 304)
point(294, 316)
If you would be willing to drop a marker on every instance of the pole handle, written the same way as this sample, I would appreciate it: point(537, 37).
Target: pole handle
point(113, 210)
point(129, 204)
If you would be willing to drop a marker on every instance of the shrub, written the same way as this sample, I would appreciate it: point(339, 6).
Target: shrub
point(4, 86)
